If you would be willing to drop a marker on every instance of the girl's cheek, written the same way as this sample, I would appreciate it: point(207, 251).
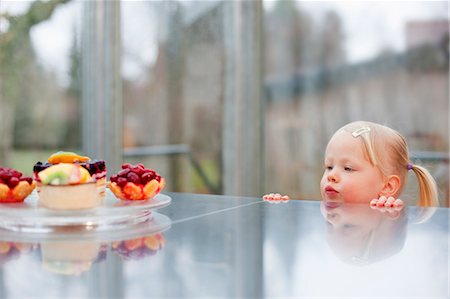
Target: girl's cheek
point(323, 182)
point(352, 193)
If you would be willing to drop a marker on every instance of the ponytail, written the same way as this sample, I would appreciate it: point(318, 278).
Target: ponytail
point(428, 193)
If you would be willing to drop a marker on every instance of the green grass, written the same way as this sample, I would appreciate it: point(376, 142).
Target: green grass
point(211, 171)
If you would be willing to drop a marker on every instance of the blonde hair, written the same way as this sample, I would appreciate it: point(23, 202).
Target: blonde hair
point(387, 150)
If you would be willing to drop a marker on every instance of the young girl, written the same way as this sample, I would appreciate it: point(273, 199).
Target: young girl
point(368, 162)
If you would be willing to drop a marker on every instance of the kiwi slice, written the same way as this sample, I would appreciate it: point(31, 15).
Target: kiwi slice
point(56, 178)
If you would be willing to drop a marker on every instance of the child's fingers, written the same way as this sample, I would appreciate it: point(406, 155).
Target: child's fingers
point(389, 202)
point(373, 202)
point(268, 197)
point(381, 201)
point(275, 198)
point(398, 203)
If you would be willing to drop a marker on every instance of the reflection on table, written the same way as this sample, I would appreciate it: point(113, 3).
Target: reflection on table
point(360, 234)
point(221, 246)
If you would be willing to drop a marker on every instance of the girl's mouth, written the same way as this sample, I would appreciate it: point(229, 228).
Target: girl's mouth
point(330, 191)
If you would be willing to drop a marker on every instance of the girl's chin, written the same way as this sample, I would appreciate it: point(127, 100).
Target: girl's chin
point(332, 196)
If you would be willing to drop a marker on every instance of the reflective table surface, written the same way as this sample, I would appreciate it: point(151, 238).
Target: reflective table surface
point(229, 247)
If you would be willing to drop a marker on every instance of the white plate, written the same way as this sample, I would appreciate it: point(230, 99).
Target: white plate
point(157, 224)
point(113, 213)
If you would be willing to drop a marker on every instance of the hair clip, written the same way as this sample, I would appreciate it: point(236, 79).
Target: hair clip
point(360, 131)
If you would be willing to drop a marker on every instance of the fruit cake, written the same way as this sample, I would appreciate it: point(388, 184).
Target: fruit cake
point(135, 182)
point(14, 187)
point(67, 186)
point(96, 168)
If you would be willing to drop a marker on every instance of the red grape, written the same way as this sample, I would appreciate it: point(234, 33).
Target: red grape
point(134, 178)
point(13, 182)
point(123, 173)
point(126, 165)
point(121, 181)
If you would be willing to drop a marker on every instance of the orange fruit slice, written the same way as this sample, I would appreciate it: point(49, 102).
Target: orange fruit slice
point(132, 191)
point(66, 157)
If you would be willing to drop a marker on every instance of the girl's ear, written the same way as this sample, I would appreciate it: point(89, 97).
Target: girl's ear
point(391, 186)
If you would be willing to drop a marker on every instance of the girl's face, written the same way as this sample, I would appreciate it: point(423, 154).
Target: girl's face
point(349, 177)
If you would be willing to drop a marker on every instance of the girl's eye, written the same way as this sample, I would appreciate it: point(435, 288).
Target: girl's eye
point(328, 167)
point(348, 169)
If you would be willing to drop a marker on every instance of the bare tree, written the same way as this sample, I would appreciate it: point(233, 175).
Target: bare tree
point(16, 58)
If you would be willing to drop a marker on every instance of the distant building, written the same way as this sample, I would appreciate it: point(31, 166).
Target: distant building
point(420, 33)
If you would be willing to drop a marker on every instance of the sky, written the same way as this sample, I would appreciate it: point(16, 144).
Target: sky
point(370, 26)
point(52, 40)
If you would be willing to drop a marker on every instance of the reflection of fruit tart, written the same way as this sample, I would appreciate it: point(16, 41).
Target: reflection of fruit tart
point(96, 168)
point(138, 248)
point(135, 182)
point(14, 187)
point(71, 257)
point(12, 250)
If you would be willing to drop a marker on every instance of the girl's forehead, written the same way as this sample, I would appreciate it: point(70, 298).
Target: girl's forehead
point(343, 138)
point(343, 144)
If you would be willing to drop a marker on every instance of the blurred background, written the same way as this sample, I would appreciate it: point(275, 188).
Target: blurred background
point(222, 97)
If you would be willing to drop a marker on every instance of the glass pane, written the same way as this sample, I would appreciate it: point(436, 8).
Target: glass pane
point(324, 64)
point(330, 63)
point(39, 81)
point(172, 74)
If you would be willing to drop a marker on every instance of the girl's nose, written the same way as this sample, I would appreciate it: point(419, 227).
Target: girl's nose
point(332, 176)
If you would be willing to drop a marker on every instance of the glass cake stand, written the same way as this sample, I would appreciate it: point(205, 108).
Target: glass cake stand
point(112, 214)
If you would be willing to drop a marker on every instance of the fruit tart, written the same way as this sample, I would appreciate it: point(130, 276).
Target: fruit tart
point(96, 168)
point(14, 187)
point(67, 186)
point(135, 182)
point(138, 248)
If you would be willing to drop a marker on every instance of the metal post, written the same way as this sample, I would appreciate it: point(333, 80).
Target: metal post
point(243, 125)
point(243, 129)
point(102, 112)
point(101, 83)
point(175, 69)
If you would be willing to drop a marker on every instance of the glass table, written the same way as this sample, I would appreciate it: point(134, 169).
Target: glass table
point(229, 247)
